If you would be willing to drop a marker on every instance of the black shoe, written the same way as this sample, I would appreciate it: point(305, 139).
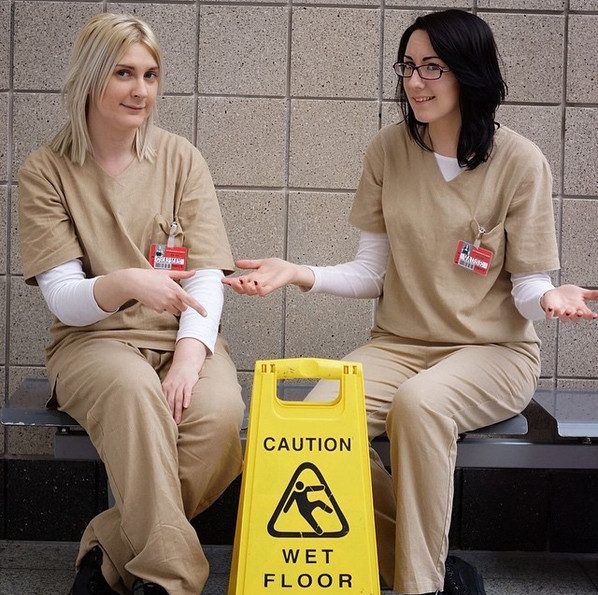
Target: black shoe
point(89, 577)
point(461, 578)
point(140, 587)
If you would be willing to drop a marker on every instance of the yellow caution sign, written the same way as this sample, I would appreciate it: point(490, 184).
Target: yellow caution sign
point(306, 521)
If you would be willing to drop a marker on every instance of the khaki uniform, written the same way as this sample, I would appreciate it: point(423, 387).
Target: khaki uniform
point(108, 375)
point(449, 351)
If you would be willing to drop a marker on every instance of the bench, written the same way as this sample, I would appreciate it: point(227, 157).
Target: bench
point(501, 445)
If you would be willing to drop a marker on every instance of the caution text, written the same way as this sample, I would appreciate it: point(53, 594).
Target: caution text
point(307, 443)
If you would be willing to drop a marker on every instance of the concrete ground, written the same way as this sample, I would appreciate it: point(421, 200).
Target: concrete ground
point(46, 568)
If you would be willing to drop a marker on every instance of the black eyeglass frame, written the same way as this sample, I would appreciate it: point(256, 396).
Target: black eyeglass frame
point(396, 67)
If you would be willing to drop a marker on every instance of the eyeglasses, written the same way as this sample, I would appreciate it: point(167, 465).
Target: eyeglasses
point(428, 72)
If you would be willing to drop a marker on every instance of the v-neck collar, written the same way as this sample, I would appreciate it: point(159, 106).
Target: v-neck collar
point(132, 165)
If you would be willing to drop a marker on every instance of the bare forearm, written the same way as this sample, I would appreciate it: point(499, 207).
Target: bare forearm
point(304, 277)
point(113, 290)
point(189, 352)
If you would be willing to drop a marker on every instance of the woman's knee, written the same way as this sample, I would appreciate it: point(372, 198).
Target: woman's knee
point(411, 405)
point(219, 404)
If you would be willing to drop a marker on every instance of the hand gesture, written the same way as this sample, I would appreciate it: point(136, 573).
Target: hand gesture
point(268, 275)
point(568, 302)
point(160, 290)
point(177, 386)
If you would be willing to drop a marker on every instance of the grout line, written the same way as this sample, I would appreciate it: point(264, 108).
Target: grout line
point(197, 94)
point(287, 172)
point(195, 122)
point(562, 188)
point(289, 188)
point(9, 189)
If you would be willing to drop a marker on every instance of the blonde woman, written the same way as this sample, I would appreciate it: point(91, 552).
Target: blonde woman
point(121, 229)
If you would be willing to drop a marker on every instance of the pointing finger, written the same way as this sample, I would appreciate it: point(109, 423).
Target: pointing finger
point(177, 275)
point(191, 301)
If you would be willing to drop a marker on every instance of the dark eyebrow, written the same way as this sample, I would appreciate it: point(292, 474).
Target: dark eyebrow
point(423, 59)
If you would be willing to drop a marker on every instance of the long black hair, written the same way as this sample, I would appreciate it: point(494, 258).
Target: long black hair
point(466, 45)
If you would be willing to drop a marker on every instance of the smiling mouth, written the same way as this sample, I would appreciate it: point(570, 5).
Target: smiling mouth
point(134, 107)
point(423, 99)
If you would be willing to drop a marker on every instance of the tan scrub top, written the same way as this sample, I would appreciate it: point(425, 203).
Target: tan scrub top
point(425, 295)
point(68, 211)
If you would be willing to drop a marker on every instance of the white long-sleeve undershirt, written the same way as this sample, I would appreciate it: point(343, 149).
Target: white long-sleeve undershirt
point(363, 277)
point(69, 295)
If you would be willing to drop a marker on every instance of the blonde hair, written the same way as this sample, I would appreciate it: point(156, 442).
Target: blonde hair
point(101, 43)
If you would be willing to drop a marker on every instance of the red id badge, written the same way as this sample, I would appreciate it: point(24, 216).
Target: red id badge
point(473, 258)
point(168, 258)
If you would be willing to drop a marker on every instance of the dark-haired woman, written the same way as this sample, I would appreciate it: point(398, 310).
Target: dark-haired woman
point(457, 234)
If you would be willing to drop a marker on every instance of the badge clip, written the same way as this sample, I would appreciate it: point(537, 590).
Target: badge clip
point(169, 256)
point(478, 238)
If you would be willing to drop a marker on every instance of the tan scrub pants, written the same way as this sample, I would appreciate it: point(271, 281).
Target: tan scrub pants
point(161, 474)
point(423, 395)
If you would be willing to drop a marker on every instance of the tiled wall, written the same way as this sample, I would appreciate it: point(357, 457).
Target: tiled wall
point(282, 98)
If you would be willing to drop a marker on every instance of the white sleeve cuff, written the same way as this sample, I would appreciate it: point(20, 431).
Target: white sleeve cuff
point(363, 277)
point(527, 291)
point(206, 287)
point(69, 295)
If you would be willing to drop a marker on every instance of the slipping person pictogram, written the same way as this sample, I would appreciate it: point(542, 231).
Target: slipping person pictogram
point(298, 492)
point(306, 506)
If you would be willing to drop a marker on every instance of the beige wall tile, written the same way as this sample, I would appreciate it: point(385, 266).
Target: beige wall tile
point(255, 224)
point(175, 27)
point(246, 382)
point(4, 125)
point(14, 264)
point(580, 242)
point(335, 52)
point(542, 125)
point(348, 3)
point(577, 384)
point(43, 38)
point(243, 140)
point(390, 113)
point(532, 76)
point(243, 50)
point(285, 2)
point(30, 321)
point(395, 23)
point(252, 326)
point(36, 119)
point(3, 298)
point(17, 374)
point(582, 73)
point(321, 325)
point(175, 113)
point(523, 4)
point(546, 383)
point(547, 333)
point(437, 4)
point(4, 202)
point(4, 48)
point(319, 230)
point(581, 140)
point(29, 440)
point(324, 325)
point(328, 141)
point(578, 349)
point(583, 5)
